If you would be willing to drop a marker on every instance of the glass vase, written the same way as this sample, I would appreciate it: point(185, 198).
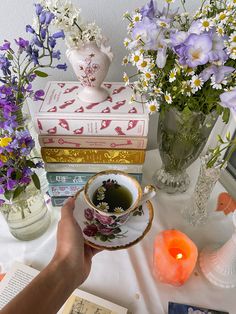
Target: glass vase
point(196, 213)
point(182, 136)
point(27, 216)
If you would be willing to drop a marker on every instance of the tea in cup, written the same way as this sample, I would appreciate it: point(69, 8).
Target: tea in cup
point(113, 195)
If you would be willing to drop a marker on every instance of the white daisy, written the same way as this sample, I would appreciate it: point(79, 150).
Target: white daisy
point(148, 75)
point(101, 189)
point(232, 52)
point(137, 17)
point(126, 42)
point(136, 57)
point(125, 61)
point(163, 24)
point(172, 76)
point(168, 98)
point(153, 106)
point(132, 99)
point(126, 79)
point(196, 83)
point(103, 206)
point(206, 24)
point(220, 30)
point(157, 90)
point(232, 39)
point(143, 65)
point(100, 196)
point(118, 210)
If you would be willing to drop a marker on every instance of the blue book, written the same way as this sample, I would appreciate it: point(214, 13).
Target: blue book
point(178, 308)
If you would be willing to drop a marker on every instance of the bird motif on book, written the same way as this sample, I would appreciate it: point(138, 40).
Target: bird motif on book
point(69, 90)
point(119, 104)
point(64, 124)
point(52, 130)
point(118, 90)
point(105, 124)
point(67, 103)
point(79, 131)
point(119, 131)
point(53, 109)
point(132, 124)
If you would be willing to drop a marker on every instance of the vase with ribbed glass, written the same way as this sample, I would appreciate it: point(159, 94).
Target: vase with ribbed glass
point(182, 136)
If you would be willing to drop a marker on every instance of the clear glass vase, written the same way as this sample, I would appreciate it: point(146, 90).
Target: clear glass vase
point(196, 213)
point(27, 216)
point(182, 136)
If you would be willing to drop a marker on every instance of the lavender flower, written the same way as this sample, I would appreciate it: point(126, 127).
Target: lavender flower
point(22, 43)
point(62, 66)
point(38, 95)
point(6, 45)
point(149, 10)
point(29, 29)
point(218, 72)
point(148, 32)
point(228, 100)
point(59, 35)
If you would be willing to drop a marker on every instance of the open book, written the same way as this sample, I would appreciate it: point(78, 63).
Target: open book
point(79, 302)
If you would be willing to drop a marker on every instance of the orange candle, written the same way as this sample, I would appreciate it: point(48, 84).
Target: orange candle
point(175, 256)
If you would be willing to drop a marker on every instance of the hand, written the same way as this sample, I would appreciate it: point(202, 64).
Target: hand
point(71, 248)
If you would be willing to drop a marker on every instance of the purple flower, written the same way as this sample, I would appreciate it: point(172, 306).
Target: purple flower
point(42, 17)
point(22, 43)
point(59, 35)
point(62, 66)
point(11, 184)
point(38, 95)
point(218, 52)
point(90, 230)
point(228, 100)
point(2, 190)
point(43, 33)
point(1, 202)
point(6, 45)
point(37, 41)
point(195, 27)
point(52, 42)
point(177, 38)
point(88, 214)
point(195, 50)
point(218, 72)
point(39, 164)
point(38, 9)
point(5, 65)
point(149, 10)
point(29, 29)
point(56, 54)
point(10, 171)
point(148, 32)
point(49, 17)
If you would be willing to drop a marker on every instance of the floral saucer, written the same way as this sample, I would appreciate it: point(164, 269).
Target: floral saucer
point(102, 237)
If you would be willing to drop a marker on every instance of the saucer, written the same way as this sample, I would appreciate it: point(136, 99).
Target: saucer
point(101, 237)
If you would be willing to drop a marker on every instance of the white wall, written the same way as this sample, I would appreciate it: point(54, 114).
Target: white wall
point(15, 14)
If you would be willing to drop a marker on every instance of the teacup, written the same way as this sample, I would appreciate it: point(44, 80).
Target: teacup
point(108, 177)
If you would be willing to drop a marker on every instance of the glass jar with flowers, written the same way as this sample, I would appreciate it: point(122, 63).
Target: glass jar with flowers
point(22, 202)
point(87, 50)
point(183, 66)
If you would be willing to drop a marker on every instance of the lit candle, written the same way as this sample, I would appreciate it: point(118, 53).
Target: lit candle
point(175, 256)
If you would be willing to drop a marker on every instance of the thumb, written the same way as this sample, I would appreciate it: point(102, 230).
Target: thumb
point(67, 208)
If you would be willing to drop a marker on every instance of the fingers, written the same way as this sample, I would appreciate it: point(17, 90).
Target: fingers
point(68, 207)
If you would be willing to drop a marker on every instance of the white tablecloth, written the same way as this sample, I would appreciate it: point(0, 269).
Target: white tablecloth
point(125, 276)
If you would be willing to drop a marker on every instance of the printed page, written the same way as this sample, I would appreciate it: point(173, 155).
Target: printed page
point(15, 280)
point(83, 302)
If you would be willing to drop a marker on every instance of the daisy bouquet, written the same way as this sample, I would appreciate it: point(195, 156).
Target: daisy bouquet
point(184, 62)
point(68, 18)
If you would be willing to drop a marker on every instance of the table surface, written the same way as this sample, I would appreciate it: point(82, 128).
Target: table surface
point(125, 277)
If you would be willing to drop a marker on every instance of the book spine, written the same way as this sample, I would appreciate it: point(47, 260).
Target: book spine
point(58, 201)
point(62, 155)
point(112, 142)
point(64, 167)
point(93, 126)
point(64, 190)
point(59, 179)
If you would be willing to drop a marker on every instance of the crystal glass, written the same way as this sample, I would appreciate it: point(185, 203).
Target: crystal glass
point(182, 136)
point(196, 213)
point(27, 216)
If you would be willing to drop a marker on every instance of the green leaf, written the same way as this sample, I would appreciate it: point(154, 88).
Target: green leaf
point(8, 195)
point(9, 56)
point(18, 191)
point(40, 73)
point(30, 164)
point(36, 181)
point(226, 115)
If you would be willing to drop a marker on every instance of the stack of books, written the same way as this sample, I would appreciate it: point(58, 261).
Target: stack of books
point(79, 139)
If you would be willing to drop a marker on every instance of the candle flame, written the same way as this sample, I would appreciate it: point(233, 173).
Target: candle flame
point(179, 256)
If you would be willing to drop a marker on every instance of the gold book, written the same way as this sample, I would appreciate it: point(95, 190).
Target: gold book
point(98, 156)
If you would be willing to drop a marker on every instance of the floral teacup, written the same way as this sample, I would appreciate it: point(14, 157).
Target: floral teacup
point(118, 217)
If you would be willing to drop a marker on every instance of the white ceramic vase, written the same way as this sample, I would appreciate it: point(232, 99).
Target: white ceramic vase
point(218, 264)
point(90, 64)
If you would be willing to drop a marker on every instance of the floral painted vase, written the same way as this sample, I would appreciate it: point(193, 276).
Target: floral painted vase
point(90, 64)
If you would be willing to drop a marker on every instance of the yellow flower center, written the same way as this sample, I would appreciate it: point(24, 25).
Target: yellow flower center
point(148, 75)
point(3, 158)
point(152, 108)
point(137, 19)
point(197, 82)
point(205, 23)
point(5, 141)
point(136, 58)
point(167, 97)
point(234, 39)
point(172, 74)
point(222, 16)
point(163, 24)
point(143, 64)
